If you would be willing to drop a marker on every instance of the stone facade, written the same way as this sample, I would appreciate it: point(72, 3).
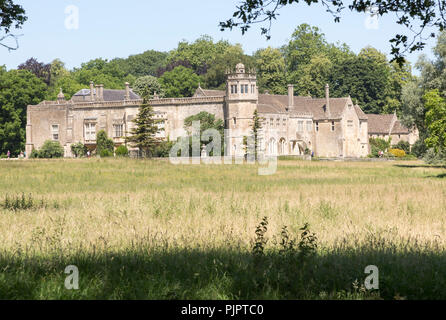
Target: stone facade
point(291, 125)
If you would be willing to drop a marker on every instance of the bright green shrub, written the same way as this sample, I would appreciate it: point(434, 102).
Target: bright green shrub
point(79, 150)
point(49, 150)
point(105, 146)
point(377, 145)
point(122, 151)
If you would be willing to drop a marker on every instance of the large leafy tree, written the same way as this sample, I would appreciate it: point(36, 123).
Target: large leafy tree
point(207, 121)
point(11, 16)
point(18, 89)
point(139, 65)
point(415, 16)
point(435, 120)
point(147, 86)
point(180, 82)
point(39, 69)
point(143, 134)
point(271, 74)
point(366, 78)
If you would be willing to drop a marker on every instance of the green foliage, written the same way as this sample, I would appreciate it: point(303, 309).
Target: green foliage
point(377, 145)
point(162, 149)
point(143, 135)
point(140, 65)
point(419, 148)
point(403, 145)
point(260, 241)
point(180, 82)
point(79, 149)
point(270, 65)
point(435, 120)
point(18, 89)
point(207, 121)
point(435, 157)
point(13, 15)
point(147, 86)
point(122, 151)
point(104, 145)
point(50, 149)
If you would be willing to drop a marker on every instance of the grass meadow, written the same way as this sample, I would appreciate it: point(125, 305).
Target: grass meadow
point(147, 229)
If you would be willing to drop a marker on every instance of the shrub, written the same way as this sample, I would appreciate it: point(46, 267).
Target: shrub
point(104, 153)
point(79, 150)
point(419, 148)
point(432, 157)
point(377, 145)
point(49, 150)
point(398, 153)
point(122, 151)
point(162, 150)
point(403, 145)
point(105, 146)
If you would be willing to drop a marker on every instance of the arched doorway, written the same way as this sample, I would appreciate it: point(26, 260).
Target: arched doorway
point(272, 147)
point(282, 146)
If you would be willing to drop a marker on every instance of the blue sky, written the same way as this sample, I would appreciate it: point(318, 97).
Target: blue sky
point(116, 28)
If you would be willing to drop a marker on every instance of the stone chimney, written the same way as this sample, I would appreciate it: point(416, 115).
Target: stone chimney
point(327, 99)
point(91, 91)
point(127, 91)
point(290, 95)
point(100, 92)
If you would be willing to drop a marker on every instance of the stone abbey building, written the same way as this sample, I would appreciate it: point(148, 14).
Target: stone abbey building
point(291, 125)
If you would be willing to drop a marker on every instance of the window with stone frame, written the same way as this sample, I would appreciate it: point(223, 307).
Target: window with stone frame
point(317, 126)
point(242, 89)
point(246, 88)
point(55, 132)
point(332, 126)
point(284, 121)
point(300, 126)
point(118, 130)
point(278, 122)
point(309, 126)
point(90, 131)
point(271, 122)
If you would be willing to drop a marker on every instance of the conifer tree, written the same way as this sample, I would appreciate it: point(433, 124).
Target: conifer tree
point(143, 135)
point(255, 132)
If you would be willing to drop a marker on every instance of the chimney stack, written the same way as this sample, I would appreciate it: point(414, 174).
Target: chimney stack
point(100, 92)
point(327, 98)
point(127, 91)
point(91, 91)
point(290, 95)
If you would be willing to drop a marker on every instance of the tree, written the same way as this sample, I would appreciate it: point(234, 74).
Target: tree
point(39, 69)
point(435, 120)
point(180, 82)
point(50, 149)
point(255, 132)
point(147, 86)
point(207, 121)
point(11, 15)
point(314, 76)
point(271, 75)
point(366, 78)
point(104, 145)
point(143, 135)
point(18, 89)
point(410, 14)
point(79, 149)
point(139, 65)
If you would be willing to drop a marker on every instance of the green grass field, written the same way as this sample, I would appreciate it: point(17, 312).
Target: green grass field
point(151, 230)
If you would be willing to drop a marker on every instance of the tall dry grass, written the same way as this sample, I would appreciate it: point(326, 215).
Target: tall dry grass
point(158, 213)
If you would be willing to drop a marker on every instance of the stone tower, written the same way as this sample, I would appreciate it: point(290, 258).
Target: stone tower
point(241, 102)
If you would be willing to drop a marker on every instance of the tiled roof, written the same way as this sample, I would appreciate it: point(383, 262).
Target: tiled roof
point(209, 93)
point(360, 113)
point(399, 128)
point(380, 123)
